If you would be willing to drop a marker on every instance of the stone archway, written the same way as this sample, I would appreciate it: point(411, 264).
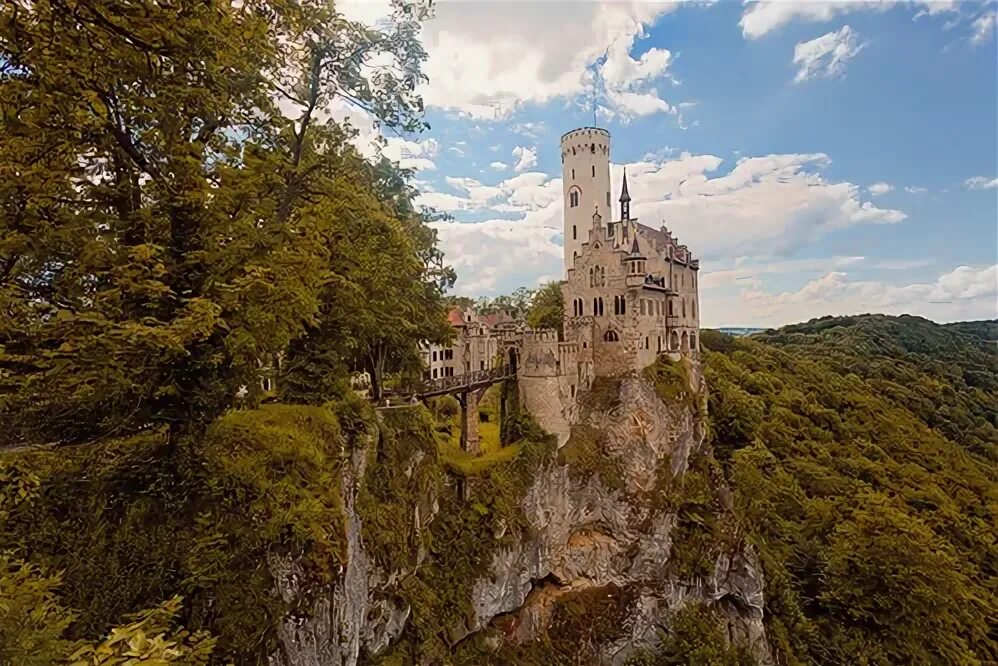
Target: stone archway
point(674, 341)
point(685, 344)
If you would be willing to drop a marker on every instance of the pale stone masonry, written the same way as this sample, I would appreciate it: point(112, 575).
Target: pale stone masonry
point(630, 292)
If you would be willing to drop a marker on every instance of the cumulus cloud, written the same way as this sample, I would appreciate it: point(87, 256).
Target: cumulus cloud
point(417, 155)
point(486, 60)
point(980, 183)
point(964, 292)
point(760, 18)
point(526, 158)
point(879, 188)
point(826, 56)
point(764, 206)
point(983, 28)
point(499, 166)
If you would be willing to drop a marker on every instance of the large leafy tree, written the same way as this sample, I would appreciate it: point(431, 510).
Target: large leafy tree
point(171, 187)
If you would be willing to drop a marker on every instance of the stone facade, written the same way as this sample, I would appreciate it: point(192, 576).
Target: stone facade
point(630, 293)
point(477, 344)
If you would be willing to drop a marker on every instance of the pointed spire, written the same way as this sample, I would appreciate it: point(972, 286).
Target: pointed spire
point(624, 196)
point(634, 246)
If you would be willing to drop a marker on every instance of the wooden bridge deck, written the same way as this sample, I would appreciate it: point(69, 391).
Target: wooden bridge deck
point(461, 383)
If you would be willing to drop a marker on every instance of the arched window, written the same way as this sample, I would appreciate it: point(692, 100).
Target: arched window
point(616, 305)
point(600, 307)
point(623, 305)
point(595, 307)
point(611, 336)
point(685, 345)
point(674, 341)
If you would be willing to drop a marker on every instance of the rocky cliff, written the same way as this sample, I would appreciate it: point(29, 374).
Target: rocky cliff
point(578, 555)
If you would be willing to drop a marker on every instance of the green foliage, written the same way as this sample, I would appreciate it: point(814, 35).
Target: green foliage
point(861, 452)
point(150, 637)
point(695, 637)
point(671, 380)
point(585, 457)
point(32, 619)
point(134, 521)
point(458, 541)
point(166, 226)
point(547, 307)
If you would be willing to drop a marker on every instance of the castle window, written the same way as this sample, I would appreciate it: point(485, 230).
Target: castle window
point(434, 356)
point(434, 373)
point(611, 336)
point(608, 200)
point(595, 307)
point(671, 311)
point(573, 174)
point(572, 390)
point(600, 301)
point(647, 343)
point(693, 304)
point(660, 343)
point(573, 199)
point(594, 171)
point(592, 149)
point(623, 305)
point(684, 307)
point(575, 232)
point(591, 283)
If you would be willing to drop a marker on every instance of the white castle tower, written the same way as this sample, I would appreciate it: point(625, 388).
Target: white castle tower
point(585, 177)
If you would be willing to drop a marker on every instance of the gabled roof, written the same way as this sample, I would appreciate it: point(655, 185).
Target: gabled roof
point(456, 318)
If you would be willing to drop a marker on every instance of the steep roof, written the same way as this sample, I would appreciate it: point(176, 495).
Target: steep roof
point(658, 238)
point(624, 196)
point(455, 317)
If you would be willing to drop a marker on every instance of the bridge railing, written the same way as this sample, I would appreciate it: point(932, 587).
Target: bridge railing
point(446, 384)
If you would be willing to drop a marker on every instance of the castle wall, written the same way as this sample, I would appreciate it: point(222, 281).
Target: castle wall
point(548, 380)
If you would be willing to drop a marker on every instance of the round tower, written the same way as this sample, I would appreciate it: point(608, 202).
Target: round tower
point(585, 177)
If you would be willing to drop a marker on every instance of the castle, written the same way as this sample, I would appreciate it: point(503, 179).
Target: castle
point(630, 292)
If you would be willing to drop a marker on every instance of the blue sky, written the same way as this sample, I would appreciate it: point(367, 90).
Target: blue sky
point(820, 158)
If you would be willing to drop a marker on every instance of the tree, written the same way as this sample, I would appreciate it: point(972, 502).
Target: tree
point(547, 308)
point(164, 226)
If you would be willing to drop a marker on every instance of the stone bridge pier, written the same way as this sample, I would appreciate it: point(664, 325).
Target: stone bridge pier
point(470, 440)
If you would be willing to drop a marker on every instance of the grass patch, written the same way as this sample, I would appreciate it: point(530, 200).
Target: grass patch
point(585, 456)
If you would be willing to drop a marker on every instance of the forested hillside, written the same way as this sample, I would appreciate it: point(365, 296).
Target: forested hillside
point(862, 455)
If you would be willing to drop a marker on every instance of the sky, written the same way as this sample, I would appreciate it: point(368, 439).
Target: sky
point(817, 157)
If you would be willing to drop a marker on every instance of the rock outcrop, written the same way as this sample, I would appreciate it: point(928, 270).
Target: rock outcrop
point(606, 512)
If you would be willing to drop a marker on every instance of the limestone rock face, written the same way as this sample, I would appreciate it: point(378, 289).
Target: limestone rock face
point(584, 532)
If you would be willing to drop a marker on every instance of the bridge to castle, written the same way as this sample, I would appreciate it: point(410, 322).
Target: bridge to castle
point(460, 384)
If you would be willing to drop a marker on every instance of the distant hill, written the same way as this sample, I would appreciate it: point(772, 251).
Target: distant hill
point(862, 453)
point(736, 331)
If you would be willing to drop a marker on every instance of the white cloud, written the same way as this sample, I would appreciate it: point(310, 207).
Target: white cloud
point(488, 58)
point(526, 158)
point(913, 189)
point(983, 27)
point(879, 188)
point(963, 293)
point(764, 207)
point(457, 151)
point(826, 56)
point(411, 154)
point(980, 183)
point(763, 17)
point(499, 166)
